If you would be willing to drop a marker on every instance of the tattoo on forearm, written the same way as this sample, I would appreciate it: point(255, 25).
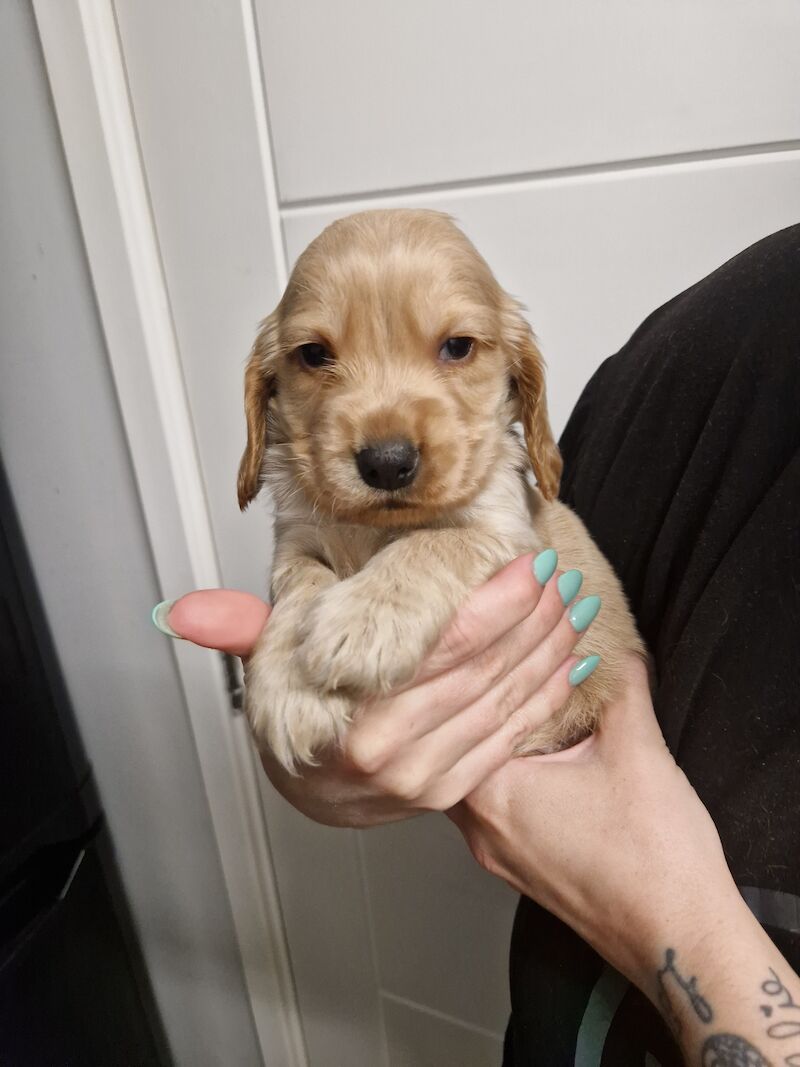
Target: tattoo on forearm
point(786, 1026)
point(783, 1011)
point(668, 976)
point(728, 1050)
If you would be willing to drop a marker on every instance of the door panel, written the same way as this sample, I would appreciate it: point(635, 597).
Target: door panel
point(441, 925)
point(326, 913)
point(418, 1039)
point(384, 96)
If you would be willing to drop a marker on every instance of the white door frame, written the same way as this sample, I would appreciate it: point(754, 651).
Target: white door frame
point(87, 77)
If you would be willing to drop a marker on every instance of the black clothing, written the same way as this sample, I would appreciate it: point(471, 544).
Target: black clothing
point(682, 457)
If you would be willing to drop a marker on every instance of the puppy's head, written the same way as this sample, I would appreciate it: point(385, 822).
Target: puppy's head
point(389, 373)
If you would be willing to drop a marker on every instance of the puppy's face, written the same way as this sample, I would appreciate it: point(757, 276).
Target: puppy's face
point(386, 378)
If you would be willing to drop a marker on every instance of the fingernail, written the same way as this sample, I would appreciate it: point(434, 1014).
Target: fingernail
point(569, 585)
point(581, 671)
point(584, 612)
point(160, 614)
point(544, 566)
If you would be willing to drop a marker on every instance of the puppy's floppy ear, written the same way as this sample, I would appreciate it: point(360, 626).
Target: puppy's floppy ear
point(527, 371)
point(259, 387)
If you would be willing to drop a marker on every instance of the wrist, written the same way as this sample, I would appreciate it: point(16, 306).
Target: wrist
point(689, 918)
point(722, 985)
point(712, 915)
point(702, 969)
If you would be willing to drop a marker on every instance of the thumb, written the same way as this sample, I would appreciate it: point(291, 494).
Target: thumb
point(225, 619)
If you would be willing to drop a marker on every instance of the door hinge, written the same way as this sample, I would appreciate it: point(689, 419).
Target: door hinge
point(233, 681)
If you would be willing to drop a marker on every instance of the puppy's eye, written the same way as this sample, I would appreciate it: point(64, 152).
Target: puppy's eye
point(314, 355)
point(456, 348)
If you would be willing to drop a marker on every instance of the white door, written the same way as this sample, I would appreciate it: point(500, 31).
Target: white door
point(602, 158)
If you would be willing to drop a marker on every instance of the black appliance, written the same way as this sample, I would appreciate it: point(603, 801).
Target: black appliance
point(73, 988)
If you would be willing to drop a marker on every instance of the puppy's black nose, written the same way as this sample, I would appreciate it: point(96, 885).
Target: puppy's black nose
point(388, 464)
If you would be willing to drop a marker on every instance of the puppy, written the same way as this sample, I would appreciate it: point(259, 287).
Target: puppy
point(381, 399)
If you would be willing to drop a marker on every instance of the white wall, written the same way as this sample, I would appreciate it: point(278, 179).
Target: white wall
point(62, 440)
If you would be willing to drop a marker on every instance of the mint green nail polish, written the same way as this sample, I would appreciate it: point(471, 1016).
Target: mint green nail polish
point(159, 617)
point(583, 669)
point(584, 612)
point(544, 565)
point(569, 585)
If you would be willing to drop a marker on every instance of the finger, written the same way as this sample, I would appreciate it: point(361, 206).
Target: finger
point(489, 611)
point(523, 693)
point(225, 619)
point(449, 764)
point(627, 721)
point(498, 750)
point(407, 715)
point(549, 780)
point(504, 675)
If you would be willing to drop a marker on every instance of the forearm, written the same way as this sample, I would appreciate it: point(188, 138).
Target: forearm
point(612, 838)
point(724, 989)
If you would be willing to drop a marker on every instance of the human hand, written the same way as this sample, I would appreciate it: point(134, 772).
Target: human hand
point(500, 669)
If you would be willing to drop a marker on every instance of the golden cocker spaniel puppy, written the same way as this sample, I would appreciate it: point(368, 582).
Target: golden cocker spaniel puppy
point(382, 397)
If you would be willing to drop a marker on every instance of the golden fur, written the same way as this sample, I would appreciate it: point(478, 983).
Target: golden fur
point(363, 579)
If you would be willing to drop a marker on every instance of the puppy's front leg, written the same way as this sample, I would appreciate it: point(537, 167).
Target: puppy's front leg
point(370, 632)
point(294, 718)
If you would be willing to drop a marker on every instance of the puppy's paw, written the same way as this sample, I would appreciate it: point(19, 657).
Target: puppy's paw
point(296, 721)
point(353, 640)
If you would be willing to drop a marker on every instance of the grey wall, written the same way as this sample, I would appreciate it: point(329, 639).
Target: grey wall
point(62, 440)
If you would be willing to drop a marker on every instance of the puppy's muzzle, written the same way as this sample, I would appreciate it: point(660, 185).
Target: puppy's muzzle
point(388, 465)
